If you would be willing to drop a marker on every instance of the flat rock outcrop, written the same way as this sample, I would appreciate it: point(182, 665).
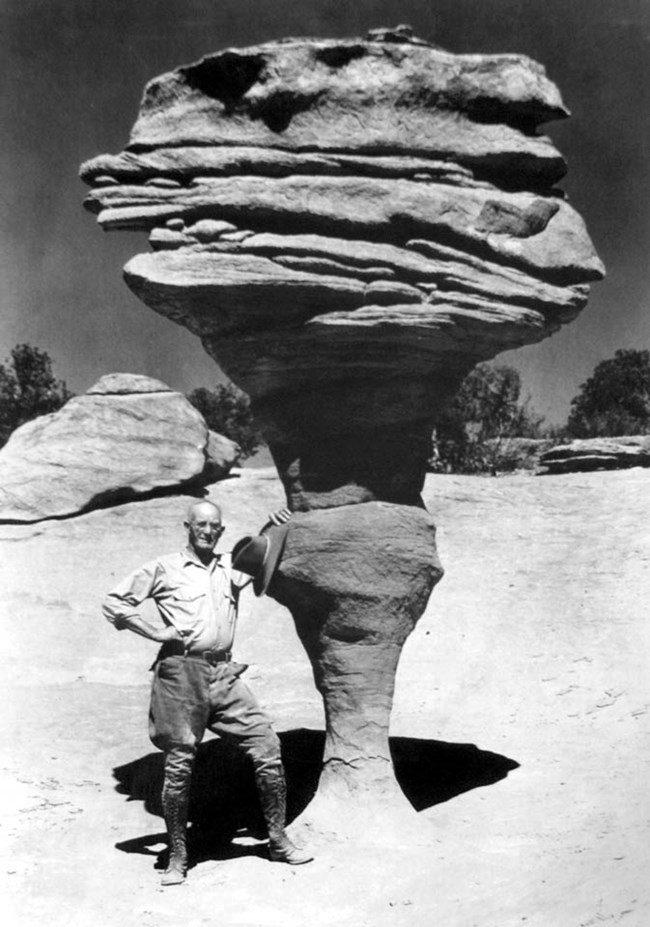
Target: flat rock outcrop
point(587, 454)
point(128, 436)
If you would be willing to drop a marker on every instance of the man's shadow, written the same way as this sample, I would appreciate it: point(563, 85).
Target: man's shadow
point(224, 804)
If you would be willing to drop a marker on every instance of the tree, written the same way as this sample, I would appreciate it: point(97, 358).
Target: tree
point(227, 410)
point(615, 400)
point(486, 409)
point(28, 388)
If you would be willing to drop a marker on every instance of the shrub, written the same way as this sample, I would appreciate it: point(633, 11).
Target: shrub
point(28, 389)
point(615, 400)
point(471, 433)
point(226, 410)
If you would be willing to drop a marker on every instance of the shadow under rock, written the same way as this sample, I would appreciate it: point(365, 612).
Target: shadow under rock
point(224, 804)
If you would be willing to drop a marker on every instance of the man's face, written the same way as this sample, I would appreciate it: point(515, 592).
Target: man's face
point(204, 528)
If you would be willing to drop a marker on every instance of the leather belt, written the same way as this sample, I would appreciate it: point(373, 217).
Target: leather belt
point(177, 649)
point(211, 656)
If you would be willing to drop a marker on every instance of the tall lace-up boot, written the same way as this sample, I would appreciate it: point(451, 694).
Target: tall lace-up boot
point(272, 790)
point(175, 810)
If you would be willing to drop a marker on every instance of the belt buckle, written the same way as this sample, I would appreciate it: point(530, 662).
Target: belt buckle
point(216, 656)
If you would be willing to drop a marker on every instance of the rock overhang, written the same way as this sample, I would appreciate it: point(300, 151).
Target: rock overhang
point(377, 213)
point(326, 167)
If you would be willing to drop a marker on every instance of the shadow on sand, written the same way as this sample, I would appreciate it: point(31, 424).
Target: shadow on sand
point(224, 800)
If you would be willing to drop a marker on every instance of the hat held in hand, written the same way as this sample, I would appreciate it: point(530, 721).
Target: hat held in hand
point(259, 556)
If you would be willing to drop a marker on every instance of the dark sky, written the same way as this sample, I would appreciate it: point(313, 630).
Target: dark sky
point(73, 74)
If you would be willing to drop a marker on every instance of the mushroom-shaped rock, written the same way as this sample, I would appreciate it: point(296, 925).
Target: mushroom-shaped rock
point(350, 226)
point(128, 436)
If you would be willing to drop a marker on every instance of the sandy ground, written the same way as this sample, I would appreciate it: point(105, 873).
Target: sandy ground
point(521, 723)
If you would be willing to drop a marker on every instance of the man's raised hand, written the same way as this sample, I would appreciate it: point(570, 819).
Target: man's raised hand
point(281, 517)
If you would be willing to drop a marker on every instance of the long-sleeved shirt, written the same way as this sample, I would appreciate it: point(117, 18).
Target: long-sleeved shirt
point(199, 601)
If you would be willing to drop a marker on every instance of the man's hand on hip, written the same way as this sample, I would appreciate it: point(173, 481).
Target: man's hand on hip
point(168, 633)
point(152, 632)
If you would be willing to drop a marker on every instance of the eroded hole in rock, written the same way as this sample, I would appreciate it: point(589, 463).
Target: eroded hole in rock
point(278, 110)
point(488, 111)
point(339, 57)
point(226, 78)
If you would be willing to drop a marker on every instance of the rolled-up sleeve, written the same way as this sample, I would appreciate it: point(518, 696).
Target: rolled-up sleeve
point(122, 602)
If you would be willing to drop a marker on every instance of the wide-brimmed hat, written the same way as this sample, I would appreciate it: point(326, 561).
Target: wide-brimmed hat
point(259, 556)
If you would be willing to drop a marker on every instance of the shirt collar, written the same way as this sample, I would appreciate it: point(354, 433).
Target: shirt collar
point(189, 556)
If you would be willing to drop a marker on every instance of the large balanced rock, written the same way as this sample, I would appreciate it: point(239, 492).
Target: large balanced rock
point(350, 226)
point(586, 454)
point(126, 437)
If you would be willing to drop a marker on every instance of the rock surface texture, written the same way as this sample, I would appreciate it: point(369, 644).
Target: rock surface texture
point(350, 226)
point(128, 436)
point(598, 454)
point(356, 580)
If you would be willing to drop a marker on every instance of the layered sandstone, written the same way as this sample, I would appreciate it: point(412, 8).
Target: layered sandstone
point(587, 454)
point(128, 436)
point(350, 226)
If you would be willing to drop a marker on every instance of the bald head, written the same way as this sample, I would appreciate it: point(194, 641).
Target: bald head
point(201, 509)
point(204, 528)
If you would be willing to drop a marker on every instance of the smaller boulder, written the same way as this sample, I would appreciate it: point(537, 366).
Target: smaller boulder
point(128, 436)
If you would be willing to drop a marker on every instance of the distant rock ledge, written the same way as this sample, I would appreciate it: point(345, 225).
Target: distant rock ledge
point(127, 437)
point(597, 454)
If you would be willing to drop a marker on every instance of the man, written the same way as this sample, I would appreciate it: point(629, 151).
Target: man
point(195, 684)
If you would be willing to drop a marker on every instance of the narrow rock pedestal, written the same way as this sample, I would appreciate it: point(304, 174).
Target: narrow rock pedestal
point(356, 579)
